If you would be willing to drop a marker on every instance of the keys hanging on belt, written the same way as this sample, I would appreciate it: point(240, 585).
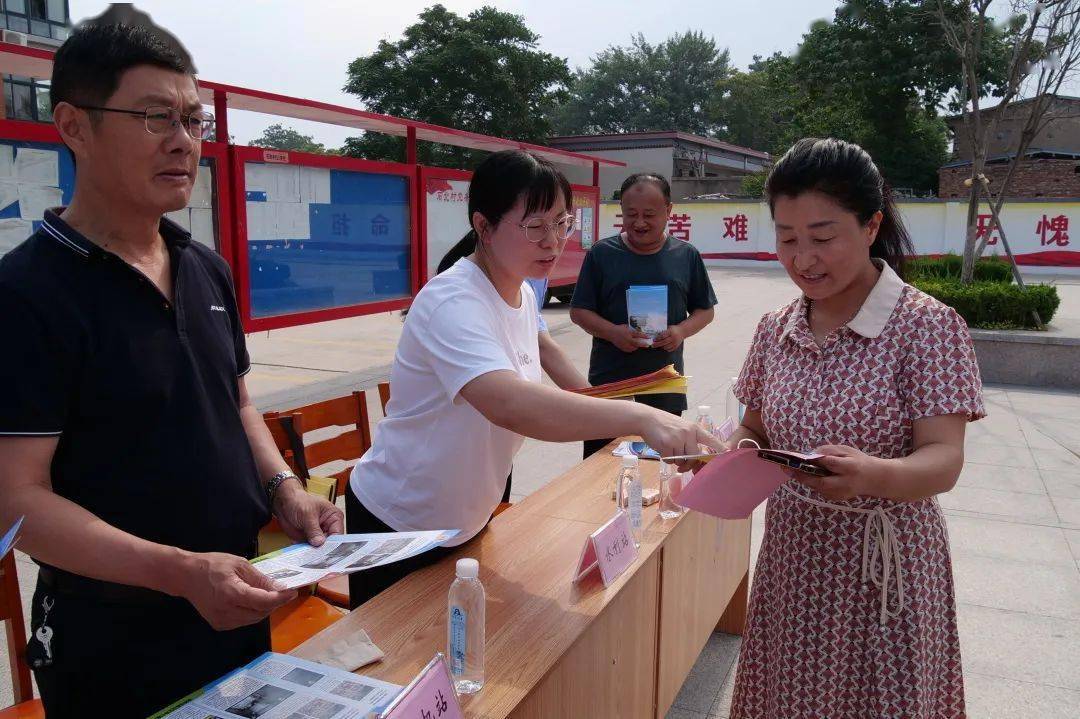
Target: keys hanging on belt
point(44, 635)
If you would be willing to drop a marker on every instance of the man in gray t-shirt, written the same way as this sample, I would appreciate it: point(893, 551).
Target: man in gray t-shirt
point(642, 255)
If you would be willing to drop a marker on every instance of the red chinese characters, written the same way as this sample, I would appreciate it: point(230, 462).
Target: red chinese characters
point(983, 229)
point(1053, 231)
point(737, 227)
point(678, 225)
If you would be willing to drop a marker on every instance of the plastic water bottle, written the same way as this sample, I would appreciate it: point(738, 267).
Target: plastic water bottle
point(630, 488)
point(733, 408)
point(705, 420)
point(619, 485)
point(465, 628)
point(668, 477)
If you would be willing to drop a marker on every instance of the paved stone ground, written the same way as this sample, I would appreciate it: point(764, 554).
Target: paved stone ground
point(1014, 517)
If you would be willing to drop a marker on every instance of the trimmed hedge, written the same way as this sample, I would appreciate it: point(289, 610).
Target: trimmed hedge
point(994, 305)
point(988, 269)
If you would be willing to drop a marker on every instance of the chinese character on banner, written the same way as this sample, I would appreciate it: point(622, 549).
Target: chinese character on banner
point(983, 230)
point(1056, 227)
point(679, 227)
point(339, 225)
point(736, 227)
point(380, 225)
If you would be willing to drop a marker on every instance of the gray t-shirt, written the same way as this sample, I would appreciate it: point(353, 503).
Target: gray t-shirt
point(610, 267)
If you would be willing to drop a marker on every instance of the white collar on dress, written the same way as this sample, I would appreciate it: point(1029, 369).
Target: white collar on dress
point(875, 311)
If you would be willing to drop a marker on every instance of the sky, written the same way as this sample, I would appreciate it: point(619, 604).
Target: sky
point(302, 47)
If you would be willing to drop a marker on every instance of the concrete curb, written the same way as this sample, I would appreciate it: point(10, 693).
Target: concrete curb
point(1033, 359)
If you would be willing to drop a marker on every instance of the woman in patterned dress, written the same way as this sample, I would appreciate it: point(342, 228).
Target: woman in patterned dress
point(852, 611)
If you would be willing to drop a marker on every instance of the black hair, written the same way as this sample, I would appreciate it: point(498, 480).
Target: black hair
point(846, 173)
point(88, 66)
point(496, 185)
point(659, 180)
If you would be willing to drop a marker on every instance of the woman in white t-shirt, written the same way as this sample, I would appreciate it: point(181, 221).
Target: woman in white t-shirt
point(465, 383)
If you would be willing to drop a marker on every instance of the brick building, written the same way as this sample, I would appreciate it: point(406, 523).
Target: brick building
point(1050, 167)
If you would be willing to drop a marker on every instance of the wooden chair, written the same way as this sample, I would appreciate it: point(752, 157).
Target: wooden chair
point(11, 613)
point(384, 395)
point(348, 411)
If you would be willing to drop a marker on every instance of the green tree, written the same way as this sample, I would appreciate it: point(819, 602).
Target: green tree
point(647, 87)
point(753, 185)
point(482, 73)
point(890, 62)
point(766, 108)
point(875, 75)
point(279, 137)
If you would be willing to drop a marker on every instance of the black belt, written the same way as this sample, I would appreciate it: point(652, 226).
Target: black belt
point(73, 585)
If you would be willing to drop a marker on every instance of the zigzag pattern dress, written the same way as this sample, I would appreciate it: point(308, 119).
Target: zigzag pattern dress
point(833, 632)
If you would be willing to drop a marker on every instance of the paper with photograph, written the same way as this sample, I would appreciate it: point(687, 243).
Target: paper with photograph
point(647, 309)
point(277, 686)
point(301, 564)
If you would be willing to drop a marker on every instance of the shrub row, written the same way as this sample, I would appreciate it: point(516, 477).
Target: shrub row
point(994, 304)
point(987, 269)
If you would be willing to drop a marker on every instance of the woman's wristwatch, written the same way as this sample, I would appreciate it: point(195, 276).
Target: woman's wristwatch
point(276, 481)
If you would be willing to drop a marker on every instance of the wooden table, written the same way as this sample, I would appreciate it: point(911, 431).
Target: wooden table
point(558, 649)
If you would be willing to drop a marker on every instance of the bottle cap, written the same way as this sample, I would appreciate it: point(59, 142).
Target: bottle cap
point(704, 409)
point(468, 568)
point(629, 461)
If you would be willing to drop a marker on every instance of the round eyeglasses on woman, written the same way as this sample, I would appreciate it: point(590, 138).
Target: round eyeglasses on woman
point(161, 120)
point(536, 229)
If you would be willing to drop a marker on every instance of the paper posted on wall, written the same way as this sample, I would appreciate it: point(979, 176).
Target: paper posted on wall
point(277, 686)
point(301, 564)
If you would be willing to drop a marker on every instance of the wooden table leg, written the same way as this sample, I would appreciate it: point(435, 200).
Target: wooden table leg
point(733, 621)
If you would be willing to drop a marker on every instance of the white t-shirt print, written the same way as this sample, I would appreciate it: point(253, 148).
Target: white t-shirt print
point(436, 462)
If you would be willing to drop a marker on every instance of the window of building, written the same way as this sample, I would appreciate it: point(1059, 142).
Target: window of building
point(43, 18)
point(26, 99)
point(43, 102)
point(22, 104)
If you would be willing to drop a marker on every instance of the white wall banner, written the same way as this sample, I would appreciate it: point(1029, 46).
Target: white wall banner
point(1039, 233)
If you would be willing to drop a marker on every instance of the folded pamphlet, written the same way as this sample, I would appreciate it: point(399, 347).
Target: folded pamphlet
point(647, 309)
point(278, 686)
point(732, 484)
point(662, 381)
point(302, 564)
point(635, 449)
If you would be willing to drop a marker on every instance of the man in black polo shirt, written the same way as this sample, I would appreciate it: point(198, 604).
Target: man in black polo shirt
point(643, 254)
point(127, 437)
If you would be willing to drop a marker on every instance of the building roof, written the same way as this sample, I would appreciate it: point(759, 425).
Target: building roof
point(1031, 152)
point(636, 140)
point(37, 63)
point(1014, 103)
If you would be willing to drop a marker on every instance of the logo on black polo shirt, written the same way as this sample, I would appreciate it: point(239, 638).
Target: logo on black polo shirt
point(217, 308)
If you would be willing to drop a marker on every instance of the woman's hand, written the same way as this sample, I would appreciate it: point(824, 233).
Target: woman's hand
point(855, 473)
point(673, 436)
